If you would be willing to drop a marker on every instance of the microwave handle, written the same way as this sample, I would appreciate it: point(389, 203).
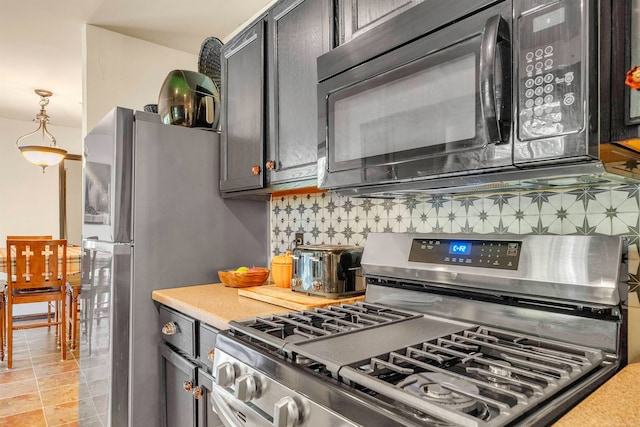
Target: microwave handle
point(496, 37)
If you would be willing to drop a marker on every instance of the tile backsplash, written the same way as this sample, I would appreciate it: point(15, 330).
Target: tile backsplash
point(326, 218)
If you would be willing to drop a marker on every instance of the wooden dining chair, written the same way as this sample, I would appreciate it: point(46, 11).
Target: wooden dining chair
point(36, 272)
point(43, 237)
point(3, 295)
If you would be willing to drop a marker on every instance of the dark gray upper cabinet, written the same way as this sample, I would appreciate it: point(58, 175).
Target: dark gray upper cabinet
point(358, 16)
point(243, 112)
point(622, 24)
point(298, 32)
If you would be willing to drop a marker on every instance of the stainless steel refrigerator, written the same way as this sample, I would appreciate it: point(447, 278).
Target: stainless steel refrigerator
point(153, 219)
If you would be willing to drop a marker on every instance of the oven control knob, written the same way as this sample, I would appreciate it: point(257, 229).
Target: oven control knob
point(286, 413)
point(225, 374)
point(246, 388)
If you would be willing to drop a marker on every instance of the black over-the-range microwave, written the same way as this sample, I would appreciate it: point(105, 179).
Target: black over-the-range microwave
point(461, 95)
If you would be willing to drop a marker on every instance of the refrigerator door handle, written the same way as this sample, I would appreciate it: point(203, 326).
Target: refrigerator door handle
point(112, 248)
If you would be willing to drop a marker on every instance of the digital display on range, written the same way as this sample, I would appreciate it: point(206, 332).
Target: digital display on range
point(460, 248)
point(501, 254)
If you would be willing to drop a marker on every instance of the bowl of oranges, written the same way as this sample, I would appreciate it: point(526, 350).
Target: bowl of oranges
point(244, 277)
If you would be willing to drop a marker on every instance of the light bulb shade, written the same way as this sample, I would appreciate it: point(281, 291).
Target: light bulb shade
point(43, 156)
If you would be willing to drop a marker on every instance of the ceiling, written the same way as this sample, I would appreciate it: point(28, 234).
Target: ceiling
point(41, 43)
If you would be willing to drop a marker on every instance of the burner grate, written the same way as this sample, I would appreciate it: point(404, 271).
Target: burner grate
point(321, 322)
point(494, 373)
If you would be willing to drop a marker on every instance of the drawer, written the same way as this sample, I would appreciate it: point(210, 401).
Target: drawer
point(178, 330)
point(206, 345)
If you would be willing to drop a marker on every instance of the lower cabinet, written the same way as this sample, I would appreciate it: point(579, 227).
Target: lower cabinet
point(176, 385)
point(186, 354)
point(207, 416)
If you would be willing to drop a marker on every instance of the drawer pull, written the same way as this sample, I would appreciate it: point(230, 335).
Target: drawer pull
point(170, 328)
point(197, 392)
point(187, 386)
point(211, 354)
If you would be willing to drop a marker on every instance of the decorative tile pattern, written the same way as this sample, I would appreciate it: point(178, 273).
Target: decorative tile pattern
point(327, 218)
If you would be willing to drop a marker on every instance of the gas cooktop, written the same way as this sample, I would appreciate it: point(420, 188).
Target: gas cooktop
point(427, 369)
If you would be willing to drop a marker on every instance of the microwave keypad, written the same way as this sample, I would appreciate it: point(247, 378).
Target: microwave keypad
point(539, 88)
point(549, 75)
point(548, 96)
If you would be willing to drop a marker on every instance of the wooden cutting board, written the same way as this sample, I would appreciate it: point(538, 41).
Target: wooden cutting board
point(285, 297)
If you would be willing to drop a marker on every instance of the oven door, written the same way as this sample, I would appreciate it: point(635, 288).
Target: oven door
point(438, 105)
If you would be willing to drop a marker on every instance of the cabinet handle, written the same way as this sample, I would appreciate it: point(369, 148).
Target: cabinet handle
point(197, 392)
point(211, 354)
point(187, 386)
point(255, 170)
point(270, 165)
point(170, 328)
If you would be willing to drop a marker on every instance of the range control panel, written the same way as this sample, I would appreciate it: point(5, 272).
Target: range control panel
point(503, 255)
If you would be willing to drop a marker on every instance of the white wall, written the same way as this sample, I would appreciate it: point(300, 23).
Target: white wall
point(123, 71)
point(29, 198)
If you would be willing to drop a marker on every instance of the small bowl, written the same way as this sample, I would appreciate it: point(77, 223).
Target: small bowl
point(255, 277)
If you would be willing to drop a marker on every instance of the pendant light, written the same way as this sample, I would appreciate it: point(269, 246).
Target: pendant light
point(42, 155)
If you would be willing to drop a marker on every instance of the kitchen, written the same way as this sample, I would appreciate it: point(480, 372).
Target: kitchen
point(335, 219)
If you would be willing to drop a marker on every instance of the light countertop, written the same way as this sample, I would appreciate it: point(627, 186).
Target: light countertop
point(616, 403)
point(214, 304)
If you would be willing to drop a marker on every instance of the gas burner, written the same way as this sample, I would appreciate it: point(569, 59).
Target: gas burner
point(454, 393)
point(499, 374)
point(442, 389)
point(500, 368)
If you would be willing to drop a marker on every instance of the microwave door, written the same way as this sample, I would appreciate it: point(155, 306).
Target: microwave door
point(438, 105)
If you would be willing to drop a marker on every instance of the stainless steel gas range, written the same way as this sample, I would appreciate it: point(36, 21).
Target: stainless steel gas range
point(488, 330)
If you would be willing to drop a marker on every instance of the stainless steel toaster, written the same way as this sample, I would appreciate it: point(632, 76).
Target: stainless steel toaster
point(331, 271)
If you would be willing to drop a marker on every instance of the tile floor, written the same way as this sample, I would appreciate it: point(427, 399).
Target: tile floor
point(42, 390)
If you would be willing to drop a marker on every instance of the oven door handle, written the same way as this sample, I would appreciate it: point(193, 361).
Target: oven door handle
point(496, 39)
point(239, 416)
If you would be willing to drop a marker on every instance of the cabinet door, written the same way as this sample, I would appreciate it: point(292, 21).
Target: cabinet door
point(242, 139)
point(298, 32)
point(207, 416)
point(178, 378)
point(623, 26)
point(357, 16)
